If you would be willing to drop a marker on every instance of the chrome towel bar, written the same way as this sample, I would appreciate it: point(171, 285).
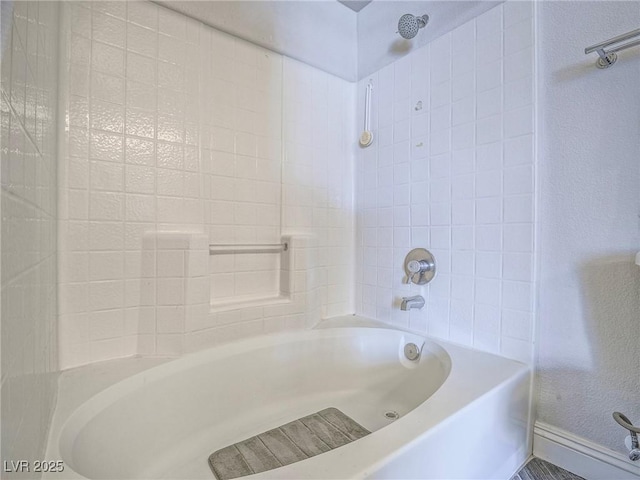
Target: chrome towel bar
point(608, 57)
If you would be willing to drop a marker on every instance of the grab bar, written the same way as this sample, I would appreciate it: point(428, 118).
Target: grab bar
point(247, 248)
point(609, 57)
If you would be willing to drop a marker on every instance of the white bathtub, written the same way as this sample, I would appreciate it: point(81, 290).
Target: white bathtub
point(463, 414)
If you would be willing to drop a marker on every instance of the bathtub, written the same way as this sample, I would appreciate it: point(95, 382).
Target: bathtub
point(461, 413)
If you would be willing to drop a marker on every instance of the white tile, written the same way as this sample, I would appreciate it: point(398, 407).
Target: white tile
point(106, 266)
point(518, 65)
point(440, 213)
point(402, 131)
point(419, 125)
point(461, 318)
point(486, 341)
point(518, 180)
point(106, 295)
point(489, 47)
point(518, 93)
point(108, 29)
point(463, 136)
point(518, 150)
point(462, 186)
point(517, 266)
point(488, 291)
point(462, 86)
point(440, 118)
point(489, 75)
point(462, 262)
point(489, 103)
point(489, 22)
point(518, 237)
point(172, 23)
point(517, 11)
point(518, 209)
point(439, 191)
point(440, 61)
point(488, 183)
point(440, 94)
point(142, 13)
point(170, 291)
point(517, 324)
point(463, 38)
point(462, 212)
point(517, 295)
point(106, 176)
point(463, 161)
point(170, 263)
point(463, 111)
point(462, 237)
point(440, 237)
point(106, 206)
point(463, 60)
point(518, 122)
point(489, 156)
point(440, 143)
point(489, 129)
point(488, 210)
point(488, 238)
point(488, 264)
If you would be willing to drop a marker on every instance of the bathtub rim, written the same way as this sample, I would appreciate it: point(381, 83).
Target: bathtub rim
point(369, 451)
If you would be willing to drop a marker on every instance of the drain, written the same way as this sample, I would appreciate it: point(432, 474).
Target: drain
point(391, 415)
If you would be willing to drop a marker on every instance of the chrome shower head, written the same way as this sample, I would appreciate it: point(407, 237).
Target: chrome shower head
point(408, 25)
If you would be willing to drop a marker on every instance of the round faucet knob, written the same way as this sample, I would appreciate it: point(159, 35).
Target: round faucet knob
point(634, 455)
point(418, 266)
point(413, 266)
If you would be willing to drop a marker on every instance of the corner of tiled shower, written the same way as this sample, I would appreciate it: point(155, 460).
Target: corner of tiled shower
point(29, 362)
point(175, 128)
point(453, 170)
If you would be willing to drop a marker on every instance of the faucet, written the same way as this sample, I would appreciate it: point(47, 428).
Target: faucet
point(408, 303)
point(634, 453)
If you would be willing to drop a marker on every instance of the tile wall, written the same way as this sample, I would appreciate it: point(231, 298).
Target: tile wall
point(172, 127)
point(452, 170)
point(28, 209)
point(318, 178)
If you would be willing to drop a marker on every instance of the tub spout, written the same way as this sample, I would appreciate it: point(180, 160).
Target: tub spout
point(408, 303)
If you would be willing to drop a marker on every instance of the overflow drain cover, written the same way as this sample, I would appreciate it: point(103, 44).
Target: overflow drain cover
point(391, 415)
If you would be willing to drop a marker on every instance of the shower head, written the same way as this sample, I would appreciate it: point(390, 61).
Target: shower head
point(408, 25)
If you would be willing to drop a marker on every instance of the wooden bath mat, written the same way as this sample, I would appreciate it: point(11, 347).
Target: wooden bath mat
point(303, 438)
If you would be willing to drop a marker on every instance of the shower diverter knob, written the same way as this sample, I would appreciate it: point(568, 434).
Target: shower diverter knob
point(418, 266)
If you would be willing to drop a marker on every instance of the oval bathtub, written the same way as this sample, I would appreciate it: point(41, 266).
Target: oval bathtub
point(462, 413)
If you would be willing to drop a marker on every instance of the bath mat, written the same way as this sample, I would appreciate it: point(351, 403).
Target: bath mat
point(303, 438)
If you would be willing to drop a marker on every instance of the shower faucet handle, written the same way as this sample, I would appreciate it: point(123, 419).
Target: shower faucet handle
point(419, 266)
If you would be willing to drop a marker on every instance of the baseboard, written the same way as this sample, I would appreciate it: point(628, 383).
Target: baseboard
point(580, 456)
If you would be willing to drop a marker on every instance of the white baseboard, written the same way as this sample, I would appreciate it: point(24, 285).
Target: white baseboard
point(580, 456)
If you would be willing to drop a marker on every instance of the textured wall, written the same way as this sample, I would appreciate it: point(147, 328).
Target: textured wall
point(588, 336)
point(28, 198)
point(175, 126)
point(451, 169)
